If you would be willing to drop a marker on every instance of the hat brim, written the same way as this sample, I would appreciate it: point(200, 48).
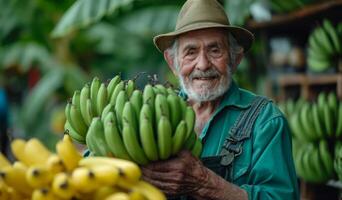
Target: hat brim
point(243, 36)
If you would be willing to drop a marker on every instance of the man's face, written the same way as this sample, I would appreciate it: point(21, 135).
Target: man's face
point(203, 64)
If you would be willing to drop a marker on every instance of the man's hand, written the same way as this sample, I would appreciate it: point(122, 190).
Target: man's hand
point(177, 176)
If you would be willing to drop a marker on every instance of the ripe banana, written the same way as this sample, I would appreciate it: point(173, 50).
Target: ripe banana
point(164, 137)
point(128, 169)
point(18, 150)
point(147, 135)
point(55, 164)
point(4, 162)
point(149, 191)
point(94, 89)
point(43, 194)
point(38, 176)
point(179, 137)
point(112, 84)
point(118, 196)
point(102, 99)
point(68, 153)
point(34, 147)
point(131, 141)
point(85, 94)
point(62, 186)
point(83, 180)
point(105, 175)
point(113, 138)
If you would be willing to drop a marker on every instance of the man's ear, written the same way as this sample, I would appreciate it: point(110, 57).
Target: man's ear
point(237, 62)
point(169, 60)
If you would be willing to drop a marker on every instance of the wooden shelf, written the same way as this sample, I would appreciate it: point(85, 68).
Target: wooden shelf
point(299, 20)
point(306, 82)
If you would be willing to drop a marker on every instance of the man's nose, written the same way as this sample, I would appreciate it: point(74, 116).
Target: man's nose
point(203, 62)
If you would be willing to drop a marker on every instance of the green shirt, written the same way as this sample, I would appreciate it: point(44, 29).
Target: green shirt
point(265, 169)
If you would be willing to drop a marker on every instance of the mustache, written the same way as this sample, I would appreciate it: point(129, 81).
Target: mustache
point(210, 73)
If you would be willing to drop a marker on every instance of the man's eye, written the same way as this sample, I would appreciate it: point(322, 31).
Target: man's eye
point(215, 52)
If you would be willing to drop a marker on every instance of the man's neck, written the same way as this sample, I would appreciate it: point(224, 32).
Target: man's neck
point(203, 111)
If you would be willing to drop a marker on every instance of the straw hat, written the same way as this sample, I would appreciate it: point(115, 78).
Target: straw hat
point(201, 14)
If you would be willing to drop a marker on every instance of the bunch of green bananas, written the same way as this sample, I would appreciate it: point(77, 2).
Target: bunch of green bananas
point(314, 162)
point(319, 120)
point(39, 174)
point(324, 48)
point(121, 121)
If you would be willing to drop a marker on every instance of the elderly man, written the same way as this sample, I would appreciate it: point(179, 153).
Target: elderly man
point(246, 139)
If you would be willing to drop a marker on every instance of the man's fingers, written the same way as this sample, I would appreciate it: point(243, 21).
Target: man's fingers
point(174, 176)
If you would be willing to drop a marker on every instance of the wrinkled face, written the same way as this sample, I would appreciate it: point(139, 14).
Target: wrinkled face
point(203, 69)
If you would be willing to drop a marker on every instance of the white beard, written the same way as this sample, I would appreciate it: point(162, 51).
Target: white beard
point(207, 92)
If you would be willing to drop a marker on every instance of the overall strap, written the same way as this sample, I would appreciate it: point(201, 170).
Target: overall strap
point(240, 131)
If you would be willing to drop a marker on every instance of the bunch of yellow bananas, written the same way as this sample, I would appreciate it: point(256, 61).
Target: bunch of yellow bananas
point(39, 174)
point(119, 120)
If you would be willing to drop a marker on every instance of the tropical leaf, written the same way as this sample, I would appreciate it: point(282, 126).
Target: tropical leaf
point(40, 94)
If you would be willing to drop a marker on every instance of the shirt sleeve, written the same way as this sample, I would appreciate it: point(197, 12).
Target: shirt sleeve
point(272, 174)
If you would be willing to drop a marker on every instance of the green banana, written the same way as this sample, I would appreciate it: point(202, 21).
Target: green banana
point(328, 120)
point(147, 136)
point(161, 89)
point(190, 141)
point(113, 138)
point(183, 106)
point(190, 119)
point(94, 89)
point(73, 133)
point(318, 65)
point(164, 137)
point(317, 122)
point(77, 121)
point(161, 107)
point(95, 138)
point(296, 127)
point(109, 108)
point(171, 91)
point(179, 137)
point(118, 88)
point(309, 174)
point(326, 158)
point(339, 121)
point(332, 32)
point(323, 39)
point(197, 148)
point(299, 161)
point(149, 98)
point(130, 139)
point(332, 102)
point(102, 99)
point(307, 121)
point(89, 111)
point(129, 114)
point(119, 106)
point(316, 163)
point(136, 101)
point(84, 96)
point(175, 115)
point(130, 87)
point(112, 84)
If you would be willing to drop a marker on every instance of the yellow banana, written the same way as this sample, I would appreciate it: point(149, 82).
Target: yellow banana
point(104, 191)
point(136, 195)
point(131, 141)
point(128, 169)
point(62, 186)
point(164, 138)
point(118, 196)
point(147, 135)
point(102, 99)
point(149, 191)
point(84, 96)
point(4, 162)
point(4, 190)
point(67, 151)
point(94, 89)
point(38, 176)
point(15, 177)
point(55, 164)
point(112, 84)
point(83, 180)
point(118, 88)
point(105, 175)
point(178, 139)
point(33, 148)
point(113, 138)
point(18, 150)
point(130, 87)
point(43, 194)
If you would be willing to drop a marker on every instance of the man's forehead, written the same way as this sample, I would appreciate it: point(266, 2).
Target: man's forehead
point(212, 35)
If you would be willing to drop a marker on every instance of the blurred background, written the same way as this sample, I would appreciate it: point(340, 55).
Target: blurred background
point(49, 49)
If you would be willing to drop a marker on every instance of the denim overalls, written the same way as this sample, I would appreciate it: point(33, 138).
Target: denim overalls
point(232, 147)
